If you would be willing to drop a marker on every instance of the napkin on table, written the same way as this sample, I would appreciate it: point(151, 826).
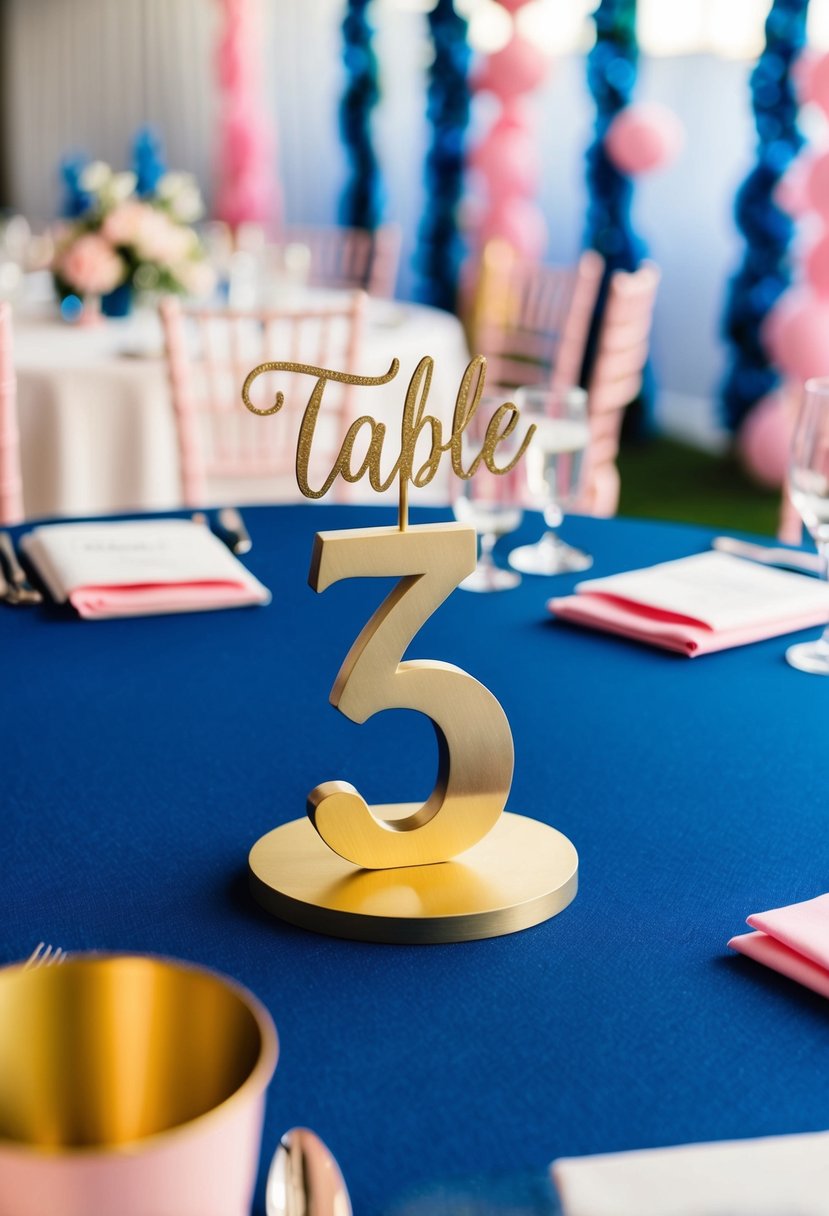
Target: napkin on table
point(140, 568)
point(772, 1176)
point(793, 940)
point(698, 604)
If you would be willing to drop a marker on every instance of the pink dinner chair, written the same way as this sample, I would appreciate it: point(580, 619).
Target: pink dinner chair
point(532, 320)
point(615, 380)
point(790, 524)
point(227, 454)
point(11, 481)
point(350, 258)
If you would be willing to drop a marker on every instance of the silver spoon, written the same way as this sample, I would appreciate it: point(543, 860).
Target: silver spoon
point(304, 1179)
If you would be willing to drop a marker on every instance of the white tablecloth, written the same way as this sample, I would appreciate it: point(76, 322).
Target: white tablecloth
point(96, 424)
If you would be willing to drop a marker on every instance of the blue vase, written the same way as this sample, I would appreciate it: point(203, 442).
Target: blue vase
point(118, 303)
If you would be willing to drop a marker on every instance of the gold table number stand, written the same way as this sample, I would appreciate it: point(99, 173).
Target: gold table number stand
point(458, 866)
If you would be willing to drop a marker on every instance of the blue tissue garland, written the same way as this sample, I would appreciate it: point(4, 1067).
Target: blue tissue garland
point(361, 204)
point(611, 77)
point(440, 248)
point(765, 272)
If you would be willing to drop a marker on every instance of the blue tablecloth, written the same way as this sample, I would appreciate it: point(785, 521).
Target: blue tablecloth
point(142, 758)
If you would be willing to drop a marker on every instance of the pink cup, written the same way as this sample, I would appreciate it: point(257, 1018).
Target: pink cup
point(130, 1086)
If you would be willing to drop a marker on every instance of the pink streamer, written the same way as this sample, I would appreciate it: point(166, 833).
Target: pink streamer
point(247, 188)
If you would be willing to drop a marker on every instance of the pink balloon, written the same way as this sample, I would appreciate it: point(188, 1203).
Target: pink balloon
point(515, 112)
point(796, 334)
point(518, 68)
point(643, 136)
point(764, 439)
point(519, 222)
point(817, 81)
point(508, 157)
point(816, 266)
point(791, 193)
point(817, 184)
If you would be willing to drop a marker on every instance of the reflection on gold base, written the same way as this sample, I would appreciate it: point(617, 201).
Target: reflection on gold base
point(522, 872)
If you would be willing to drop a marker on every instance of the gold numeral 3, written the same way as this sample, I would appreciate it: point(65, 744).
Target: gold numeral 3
point(474, 739)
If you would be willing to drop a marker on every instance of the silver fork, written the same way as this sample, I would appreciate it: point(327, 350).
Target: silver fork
point(45, 956)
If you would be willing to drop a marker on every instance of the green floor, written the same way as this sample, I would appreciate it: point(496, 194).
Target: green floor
point(666, 480)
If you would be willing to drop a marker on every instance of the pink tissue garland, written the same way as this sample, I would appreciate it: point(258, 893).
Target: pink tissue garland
point(247, 189)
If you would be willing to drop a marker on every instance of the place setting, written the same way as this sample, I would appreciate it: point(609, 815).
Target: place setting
point(385, 419)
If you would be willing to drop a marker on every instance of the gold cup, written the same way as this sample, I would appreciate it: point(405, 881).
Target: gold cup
point(130, 1086)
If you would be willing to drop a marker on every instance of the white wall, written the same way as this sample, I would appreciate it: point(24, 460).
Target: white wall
point(84, 74)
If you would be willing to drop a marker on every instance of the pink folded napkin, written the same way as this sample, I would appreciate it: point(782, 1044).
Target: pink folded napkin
point(772, 1176)
point(140, 568)
point(793, 940)
point(698, 604)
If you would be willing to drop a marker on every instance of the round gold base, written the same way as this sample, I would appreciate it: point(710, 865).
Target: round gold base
point(522, 872)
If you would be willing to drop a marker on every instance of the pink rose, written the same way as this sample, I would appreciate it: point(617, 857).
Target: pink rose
point(149, 232)
point(124, 224)
point(90, 266)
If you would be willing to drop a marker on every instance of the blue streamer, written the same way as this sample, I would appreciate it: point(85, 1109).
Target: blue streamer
point(361, 205)
point(147, 161)
point(611, 77)
point(440, 246)
point(765, 272)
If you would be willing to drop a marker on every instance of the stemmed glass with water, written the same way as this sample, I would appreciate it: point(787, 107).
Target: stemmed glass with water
point(552, 472)
point(488, 502)
point(809, 491)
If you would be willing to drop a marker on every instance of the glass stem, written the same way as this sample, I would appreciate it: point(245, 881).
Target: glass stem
point(823, 551)
point(487, 545)
point(553, 515)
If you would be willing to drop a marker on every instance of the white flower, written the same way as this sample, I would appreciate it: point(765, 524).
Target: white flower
point(181, 193)
point(95, 176)
point(170, 184)
point(121, 186)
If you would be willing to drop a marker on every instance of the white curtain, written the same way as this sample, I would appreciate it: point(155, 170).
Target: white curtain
point(83, 75)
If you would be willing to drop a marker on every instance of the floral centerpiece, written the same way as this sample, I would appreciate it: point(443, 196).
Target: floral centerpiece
point(122, 241)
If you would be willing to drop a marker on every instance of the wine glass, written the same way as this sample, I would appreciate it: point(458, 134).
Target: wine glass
point(809, 491)
point(487, 502)
point(552, 472)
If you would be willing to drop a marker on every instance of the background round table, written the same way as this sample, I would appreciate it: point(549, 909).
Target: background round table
point(96, 423)
point(144, 757)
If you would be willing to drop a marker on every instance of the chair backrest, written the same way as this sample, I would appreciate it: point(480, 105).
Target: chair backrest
point(11, 481)
point(616, 378)
point(790, 523)
point(225, 452)
point(350, 258)
point(532, 320)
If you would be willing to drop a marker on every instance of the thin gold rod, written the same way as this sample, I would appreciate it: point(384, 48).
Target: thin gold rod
point(403, 508)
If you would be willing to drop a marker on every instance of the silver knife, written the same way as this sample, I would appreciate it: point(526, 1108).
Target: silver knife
point(766, 555)
point(231, 522)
